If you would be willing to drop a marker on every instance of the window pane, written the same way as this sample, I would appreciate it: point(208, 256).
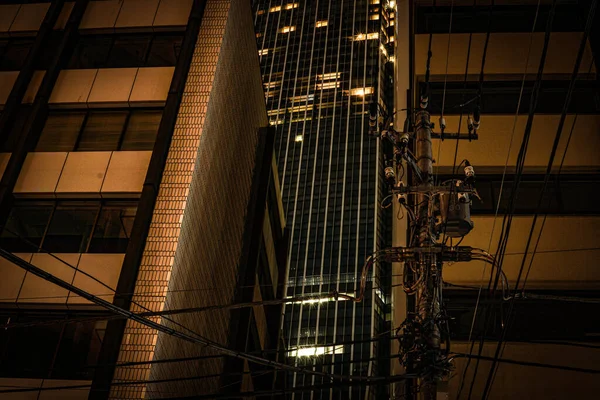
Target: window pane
point(60, 132)
point(60, 351)
point(70, 229)
point(579, 197)
point(102, 131)
point(14, 134)
point(15, 54)
point(141, 130)
point(3, 47)
point(164, 51)
point(28, 352)
point(113, 229)
point(91, 52)
point(25, 224)
point(79, 348)
point(527, 197)
point(129, 51)
point(49, 50)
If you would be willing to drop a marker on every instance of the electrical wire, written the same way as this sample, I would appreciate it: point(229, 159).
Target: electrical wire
point(558, 135)
point(507, 220)
point(463, 376)
point(560, 167)
point(170, 331)
point(331, 296)
point(442, 128)
point(529, 363)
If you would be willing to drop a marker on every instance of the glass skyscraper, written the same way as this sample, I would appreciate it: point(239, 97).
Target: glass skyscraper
point(323, 63)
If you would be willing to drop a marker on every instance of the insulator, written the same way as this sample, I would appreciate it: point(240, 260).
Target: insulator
point(390, 175)
point(404, 139)
point(469, 171)
point(442, 123)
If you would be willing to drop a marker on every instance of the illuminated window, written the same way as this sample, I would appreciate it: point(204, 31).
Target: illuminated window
point(319, 300)
point(374, 2)
point(374, 17)
point(290, 6)
point(263, 52)
point(268, 85)
point(275, 9)
point(393, 59)
point(300, 108)
point(321, 24)
point(298, 99)
point(368, 36)
point(328, 85)
point(392, 23)
point(361, 91)
point(258, 34)
point(287, 29)
point(298, 138)
point(391, 39)
point(329, 76)
point(301, 119)
point(392, 4)
point(260, 12)
point(316, 351)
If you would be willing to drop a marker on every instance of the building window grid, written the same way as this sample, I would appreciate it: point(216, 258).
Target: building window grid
point(102, 226)
point(126, 50)
point(137, 130)
point(304, 129)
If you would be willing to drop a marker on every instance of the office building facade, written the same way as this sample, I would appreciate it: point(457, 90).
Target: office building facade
point(561, 259)
point(323, 63)
point(137, 165)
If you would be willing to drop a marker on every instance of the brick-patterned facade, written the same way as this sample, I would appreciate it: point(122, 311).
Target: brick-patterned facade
point(195, 238)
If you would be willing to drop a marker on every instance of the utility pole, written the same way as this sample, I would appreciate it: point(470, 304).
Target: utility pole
point(437, 213)
point(428, 306)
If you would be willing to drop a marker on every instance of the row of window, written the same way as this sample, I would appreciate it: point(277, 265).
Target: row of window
point(502, 97)
point(91, 130)
point(126, 51)
point(537, 319)
point(98, 51)
point(100, 130)
point(69, 227)
point(517, 18)
point(59, 351)
point(564, 194)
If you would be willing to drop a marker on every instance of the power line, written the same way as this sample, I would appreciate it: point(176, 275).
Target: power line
point(435, 179)
point(529, 363)
point(308, 299)
point(89, 276)
point(169, 331)
point(557, 137)
point(506, 223)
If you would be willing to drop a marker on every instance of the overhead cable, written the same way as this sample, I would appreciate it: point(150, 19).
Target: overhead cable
point(169, 331)
point(557, 138)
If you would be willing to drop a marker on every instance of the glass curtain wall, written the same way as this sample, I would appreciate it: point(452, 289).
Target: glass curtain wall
point(323, 63)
